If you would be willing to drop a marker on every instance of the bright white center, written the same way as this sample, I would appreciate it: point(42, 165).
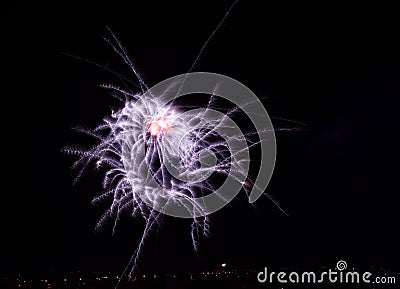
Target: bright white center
point(158, 126)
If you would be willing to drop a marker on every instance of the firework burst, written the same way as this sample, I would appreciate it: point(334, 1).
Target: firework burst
point(164, 157)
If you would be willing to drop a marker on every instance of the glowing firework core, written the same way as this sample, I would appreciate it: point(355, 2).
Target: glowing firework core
point(158, 126)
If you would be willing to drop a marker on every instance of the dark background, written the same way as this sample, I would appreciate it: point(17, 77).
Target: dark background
point(333, 67)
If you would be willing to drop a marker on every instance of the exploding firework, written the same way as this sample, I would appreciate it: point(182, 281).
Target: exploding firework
point(164, 157)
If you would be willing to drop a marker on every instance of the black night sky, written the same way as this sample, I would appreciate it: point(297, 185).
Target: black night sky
point(333, 67)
